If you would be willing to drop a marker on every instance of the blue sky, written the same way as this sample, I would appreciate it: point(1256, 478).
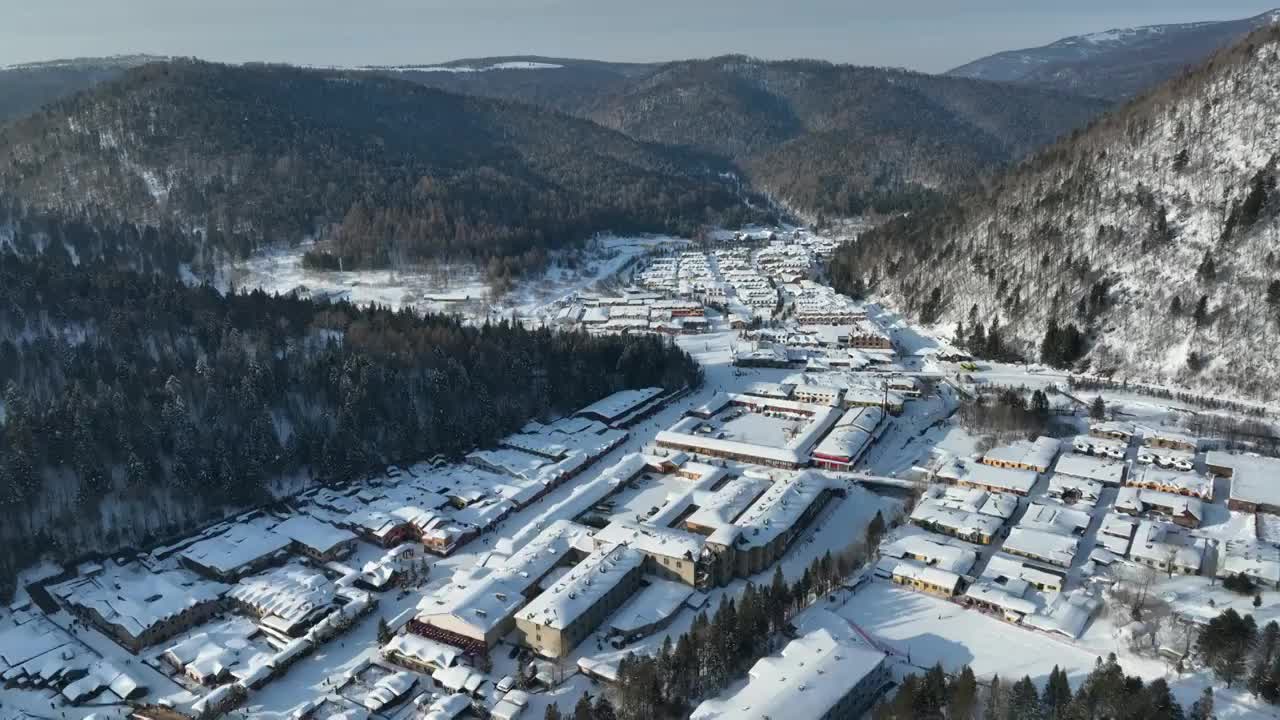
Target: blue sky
point(929, 35)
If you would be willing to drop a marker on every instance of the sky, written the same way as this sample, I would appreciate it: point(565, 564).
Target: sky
point(927, 35)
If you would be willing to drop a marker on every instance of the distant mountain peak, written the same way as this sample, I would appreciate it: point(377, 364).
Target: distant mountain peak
point(1116, 63)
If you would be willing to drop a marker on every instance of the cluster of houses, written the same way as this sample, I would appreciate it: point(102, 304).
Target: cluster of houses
point(561, 585)
point(633, 311)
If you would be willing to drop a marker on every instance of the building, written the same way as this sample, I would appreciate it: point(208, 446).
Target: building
point(768, 527)
point(969, 526)
point(623, 408)
point(921, 549)
point(1090, 468)
point(1255, 480)
point(1101, 447)
point(286, 601)
point(240, 549)
point(713, 432)
point(1170, 440)
point(669, 553)
point(1071, 489)
point(1167, 548)
point(850, 438)
point(992, 478)
point(1042, 545)
point(831, 671)
point(919, 576)
point(553, 623)
point(1173, 482)
point(1256, 559)
point(1182, 510)
point(1113, 430)
point(319, 541)
point(478, 607)
point(138, 607)
point(1035, 456)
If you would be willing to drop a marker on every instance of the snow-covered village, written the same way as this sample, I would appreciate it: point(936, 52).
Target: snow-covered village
point(601, 360)
point(844, 500)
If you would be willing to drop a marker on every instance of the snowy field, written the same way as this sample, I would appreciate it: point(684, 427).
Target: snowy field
point(449, 288)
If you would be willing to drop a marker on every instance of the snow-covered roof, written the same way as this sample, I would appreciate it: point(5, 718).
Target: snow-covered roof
point(919, 546)
point(659, 601)
point(1038, 454)
point(802, 681)
point(620, 403)
point(1254, 478)
point(486, 598)
point(240, 545)
point(292, 594)
point(1054, 518)
point(652, 539)
point(852, 434)
point(1177, 481)
point(1255, 558)
point(1044, 545)
point(961, 522)
point(1007, 599)
point(560, 605)
point(913, 570)
point(959, 470)
point(778, 509)
point(1088, 467)
point(1067, 614)
point(136, 598)
point(319, 536)
point(423, 650)
point(1164, 543)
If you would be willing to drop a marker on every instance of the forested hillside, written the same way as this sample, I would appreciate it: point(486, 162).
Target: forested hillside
point(382, 170)
point(822, 138)
point(837, 139)
point(134, 406)
point(561, 84)
point(24, 89)
point(1145, 245)
point(1116, 64)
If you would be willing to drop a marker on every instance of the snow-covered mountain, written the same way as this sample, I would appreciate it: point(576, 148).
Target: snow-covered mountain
point(1156, 232)
point(1115, 63)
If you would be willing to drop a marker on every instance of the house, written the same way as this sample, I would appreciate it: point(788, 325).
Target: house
point(1035, 456)
point(1166, 547)
point(553, 623)
point(1169, 440)
point(1173, 482)
point(1255, 480)
point(919, 576)
point(319, 541)
point(1113, 430)
point(1003, 479)
point(1043, 545)
point(1090, 468)
point(1185, 511)
point(969, 526)
point(1256, 559)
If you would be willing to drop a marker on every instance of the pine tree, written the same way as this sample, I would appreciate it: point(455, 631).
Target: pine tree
point(1024, 701)
point(583, 709)
point(996, 704)
point(603, 709)
point(1201, 314)
point(1057, 693)
point(1161, 704)
point(552, 713)
point(384, 631)
point(962, 696)
point(875, 530)
point(1098, 410)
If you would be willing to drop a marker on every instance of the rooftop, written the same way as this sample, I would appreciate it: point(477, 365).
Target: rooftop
point(800, 682)
point(959, 470)
point(137, 598)
point(1254, 478)
point(590, 580)
point(1038, 454)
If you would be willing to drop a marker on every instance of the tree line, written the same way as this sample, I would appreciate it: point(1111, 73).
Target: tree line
point(136, 406)
point(1107, 693)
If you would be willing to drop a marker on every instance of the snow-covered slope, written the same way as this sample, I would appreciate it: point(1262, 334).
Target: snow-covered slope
point(1115, 63)
point(1105, 229)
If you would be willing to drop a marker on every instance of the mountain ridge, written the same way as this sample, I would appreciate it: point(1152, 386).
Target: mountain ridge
point(1152, 234)
point(1117, 63)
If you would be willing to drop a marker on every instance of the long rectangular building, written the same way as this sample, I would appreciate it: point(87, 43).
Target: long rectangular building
point(564, 615)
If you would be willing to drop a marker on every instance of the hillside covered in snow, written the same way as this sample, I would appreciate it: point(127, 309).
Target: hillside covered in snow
point(1117, 63)
point(1154, 233)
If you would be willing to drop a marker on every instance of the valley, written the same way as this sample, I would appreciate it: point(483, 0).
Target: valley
point(712, 387)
